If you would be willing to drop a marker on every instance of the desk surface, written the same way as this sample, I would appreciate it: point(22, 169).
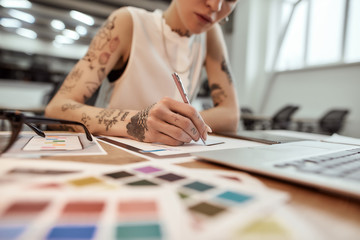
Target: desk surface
point(334, 216)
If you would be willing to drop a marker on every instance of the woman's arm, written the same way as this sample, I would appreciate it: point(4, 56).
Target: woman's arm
point(224, 116)
point(111, 43)
point(168, 121)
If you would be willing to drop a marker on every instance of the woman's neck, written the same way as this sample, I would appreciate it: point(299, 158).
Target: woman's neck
point(173, 20)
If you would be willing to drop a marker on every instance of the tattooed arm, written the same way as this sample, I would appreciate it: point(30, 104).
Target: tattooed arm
point(168, 121)
point(225, 114)
point(107, 50)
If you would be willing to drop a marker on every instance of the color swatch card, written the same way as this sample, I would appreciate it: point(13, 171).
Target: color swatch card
point(214, 203)
point(53, 143)
point(129, 214)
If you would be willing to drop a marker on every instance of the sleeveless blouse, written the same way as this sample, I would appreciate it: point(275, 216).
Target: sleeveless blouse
point(147, 76)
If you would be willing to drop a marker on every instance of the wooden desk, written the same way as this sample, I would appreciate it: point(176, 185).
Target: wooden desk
point(336, 217)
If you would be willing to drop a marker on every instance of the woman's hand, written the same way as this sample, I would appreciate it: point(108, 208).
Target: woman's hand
point(168, 122)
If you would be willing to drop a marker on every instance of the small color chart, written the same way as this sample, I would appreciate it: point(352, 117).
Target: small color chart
point(208, 205)
point(126, 215)
point(54, 143)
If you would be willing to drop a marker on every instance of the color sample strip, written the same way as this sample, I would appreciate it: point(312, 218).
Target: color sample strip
point(138, 219)
point(142, 182)
point(234, 197)
point(119, 175)
point(171, 177)
point(72, 232)
point(143, 209)
point(77, 221)
point(139, 231)
point(21, 212)
point(199, 186)
point(207, 209)
point(148, 169)
point(24, 208)
point(11, 232)
point(35, 171)
point(86, 181)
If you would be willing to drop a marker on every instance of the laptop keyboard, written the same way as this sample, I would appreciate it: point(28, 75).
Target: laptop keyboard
point(344, 164)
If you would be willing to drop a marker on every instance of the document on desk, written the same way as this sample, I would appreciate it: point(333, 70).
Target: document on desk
point(213, 143)
point(30, 145)
point(336, 138)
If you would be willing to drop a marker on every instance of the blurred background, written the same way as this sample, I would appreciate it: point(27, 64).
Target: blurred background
point(299, 53)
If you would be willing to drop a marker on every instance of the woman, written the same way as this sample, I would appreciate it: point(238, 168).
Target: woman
point(138, 51)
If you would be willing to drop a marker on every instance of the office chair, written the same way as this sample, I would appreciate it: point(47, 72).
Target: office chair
point(249, 124)
point(333, 121)
point(282, 118)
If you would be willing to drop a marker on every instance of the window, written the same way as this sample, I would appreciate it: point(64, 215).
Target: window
point(352, 46)
point(320, 32)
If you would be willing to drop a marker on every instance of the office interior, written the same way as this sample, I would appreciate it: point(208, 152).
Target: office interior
point(282, 52)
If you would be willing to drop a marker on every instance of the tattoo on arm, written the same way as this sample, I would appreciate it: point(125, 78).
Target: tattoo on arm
point(70, 106)
point(108, 118)
point(71, 80)
point(124, 116)
point(85, 118)
point(104, 58)
point(91, 87)
point(90, 57)
point(137, 125)
point(104, 35)
point(101, 73)
point(217, 94)
point(225, 68)
point(67, 128)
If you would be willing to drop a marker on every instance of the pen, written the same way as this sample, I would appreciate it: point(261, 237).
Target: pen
point(183, 93)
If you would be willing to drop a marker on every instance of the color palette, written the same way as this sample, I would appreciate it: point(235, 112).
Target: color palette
point(130, 214)
point(145, 200)
point(53, 142)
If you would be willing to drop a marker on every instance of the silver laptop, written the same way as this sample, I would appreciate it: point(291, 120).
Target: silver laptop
point(326, 166)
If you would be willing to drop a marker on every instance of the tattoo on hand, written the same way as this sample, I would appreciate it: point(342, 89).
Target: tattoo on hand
point(225, 68)
point(217, 94)
point(137, 125)
point(194, 131)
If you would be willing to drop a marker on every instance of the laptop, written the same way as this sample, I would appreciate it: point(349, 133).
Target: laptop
point(326, 166)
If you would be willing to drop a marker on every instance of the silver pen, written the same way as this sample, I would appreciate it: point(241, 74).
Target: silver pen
point(183, 93)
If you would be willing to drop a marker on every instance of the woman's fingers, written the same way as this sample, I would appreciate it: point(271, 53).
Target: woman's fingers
point(161, 127)
point(172, 122)
point(194, 122)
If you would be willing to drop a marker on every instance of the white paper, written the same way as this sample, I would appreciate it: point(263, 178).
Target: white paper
point(336, 138)
point(165, 150)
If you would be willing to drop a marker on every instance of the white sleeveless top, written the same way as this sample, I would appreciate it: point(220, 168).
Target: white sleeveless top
point(147, 76)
